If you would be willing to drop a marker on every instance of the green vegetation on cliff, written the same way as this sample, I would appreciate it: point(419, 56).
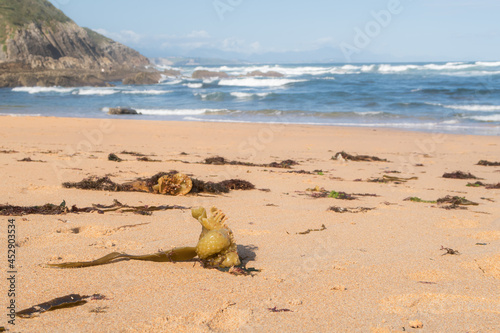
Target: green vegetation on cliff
point(19, 13)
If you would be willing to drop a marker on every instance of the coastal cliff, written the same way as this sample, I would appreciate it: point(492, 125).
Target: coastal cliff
point(40, 45)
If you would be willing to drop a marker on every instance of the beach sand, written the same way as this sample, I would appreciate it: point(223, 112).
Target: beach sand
point(375, 271)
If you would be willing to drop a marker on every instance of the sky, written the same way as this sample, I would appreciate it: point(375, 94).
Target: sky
point(297, 30)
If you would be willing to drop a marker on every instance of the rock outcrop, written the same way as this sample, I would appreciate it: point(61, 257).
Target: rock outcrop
point(204, 74)
point(266, 74)
point(42, 39)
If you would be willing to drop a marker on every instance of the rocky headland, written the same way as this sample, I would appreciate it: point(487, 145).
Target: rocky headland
point(41, 46)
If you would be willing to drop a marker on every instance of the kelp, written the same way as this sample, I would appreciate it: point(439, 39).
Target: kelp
point(28, 159)
point(455, 202)
point(417, 199)
point(218, 160)
point(275, 309)
point(481, 184)
point(172, 183)
point(388, 179)
point(133, 153)
point(147, 159)
point(323, 227)
point(488, 163)
point(459, 175)
point(349, 210)
point(216, 247)
point(10, 151)
point(51, 209)
point(67, 301)
point(358, 158)
point(113, 157)
point(320, 192)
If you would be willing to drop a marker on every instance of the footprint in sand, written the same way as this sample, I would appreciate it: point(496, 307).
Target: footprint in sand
point(96, 231)
point(490, 265)
point(410, 304)
point(227, 318)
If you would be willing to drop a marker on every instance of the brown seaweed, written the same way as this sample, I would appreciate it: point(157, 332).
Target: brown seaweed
point(323, 227)
point(147, 159)
point(28, 159)
point(388, 179)
point(459, 175)
point(455, 202)
point(10, 151)
point(113, 157)
point(488, 163)
point(51, 209)
point(359, 158)
point(148, 184)
point(216, 248)
point(417, 199)
point(449, 251)
point(218, 160)
point(275, 309)
point(349, 210)
point(67, 301)
point(133, 153)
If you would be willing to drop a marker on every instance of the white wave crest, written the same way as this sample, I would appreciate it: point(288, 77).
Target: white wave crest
point(148, 92)
point(473, 107)
point(253, 82)
point(491, 118)
point(173, 82)
point(95, 91)
point(21, 114)
point(194, 85)
point(244, 95)
point(37, 90)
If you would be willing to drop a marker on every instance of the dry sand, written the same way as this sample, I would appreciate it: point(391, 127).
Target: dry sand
point(377, 271)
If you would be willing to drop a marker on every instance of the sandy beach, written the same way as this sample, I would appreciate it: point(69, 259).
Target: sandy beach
point(386, 269)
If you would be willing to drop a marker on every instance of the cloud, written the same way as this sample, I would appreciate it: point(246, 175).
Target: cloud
point(198, 34)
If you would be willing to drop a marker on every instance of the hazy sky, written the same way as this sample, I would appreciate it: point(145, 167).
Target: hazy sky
point(340, 30)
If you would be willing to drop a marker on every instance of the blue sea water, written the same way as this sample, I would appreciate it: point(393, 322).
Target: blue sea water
point(454, 97)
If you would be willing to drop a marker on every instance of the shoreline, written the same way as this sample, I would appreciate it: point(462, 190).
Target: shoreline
point(376, 263)
point(382, 127)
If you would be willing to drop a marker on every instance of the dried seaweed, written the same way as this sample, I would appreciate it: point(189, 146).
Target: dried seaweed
point(275, 309)
point(358, 158)
point(114, 158)
point(67, 301)
point(493, 186)
point(51, 209)
point(337, 209)
point(96, 183)
point(488, 163)
point(218, 160)
point(417, 199)
point(320, 192)
point(323, 227)
point(47, 209)
point(459, 175)
point(148, 184)
point(28, 159)
point(455, 202)
point(388, 179)
point(147, 159)
point(449, 251)
point(133, 153)
point(10, 151)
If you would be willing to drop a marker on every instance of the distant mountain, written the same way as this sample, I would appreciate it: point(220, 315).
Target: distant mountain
point(40, 36)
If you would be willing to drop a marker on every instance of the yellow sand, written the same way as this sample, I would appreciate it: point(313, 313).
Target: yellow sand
point(373, 271)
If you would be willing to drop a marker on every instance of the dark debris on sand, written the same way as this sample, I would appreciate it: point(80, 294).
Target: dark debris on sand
point(218, 160)
point(488, 163)
point(28, 159)
point(359, 158)
point(349, 210)
point(114, 158)
point(455, 202)
point(459, 175)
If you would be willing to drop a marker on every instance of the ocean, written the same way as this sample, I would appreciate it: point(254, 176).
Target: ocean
point(453, 97)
